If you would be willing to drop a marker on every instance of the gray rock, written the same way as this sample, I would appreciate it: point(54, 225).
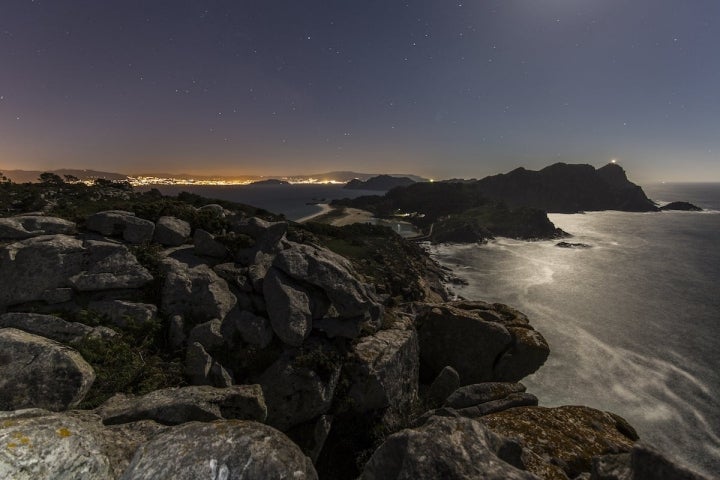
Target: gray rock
point(122, 313)
point(612, 467)
point(512, 400)
point(339, 327)
point(108, 223)
point(208, 335)
point(57, 446)
point(250, 328)
point(296, 393)
point(446, 382)
point(67, 446)
point(267, 235)
point(39, 373)
point(27, 226)
point(332, 274)
point(481, 345)
point(138, 230)
point(217, 210)
point(288, 308)
point(171, 231)
point(478, 393)
point(197, 294)
point(207, 246)
point(202, 369)
point(383, 369)
point(109, 266)
point(447, 448)
point(173, 406)
point(47, 326)
point(31, 267)
point(225, 449)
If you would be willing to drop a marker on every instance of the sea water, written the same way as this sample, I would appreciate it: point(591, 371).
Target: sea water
point(294, 201)
point(633, 322)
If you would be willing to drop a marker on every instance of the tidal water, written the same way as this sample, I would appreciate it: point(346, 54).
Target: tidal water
point(633, 322)
point(293, 201)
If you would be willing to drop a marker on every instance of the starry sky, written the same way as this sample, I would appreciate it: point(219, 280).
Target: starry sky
point(439, 88)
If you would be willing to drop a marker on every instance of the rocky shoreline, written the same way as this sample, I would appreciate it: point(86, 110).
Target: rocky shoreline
point(186, 341)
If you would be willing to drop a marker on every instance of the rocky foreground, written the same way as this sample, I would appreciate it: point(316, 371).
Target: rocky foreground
point(136, 348)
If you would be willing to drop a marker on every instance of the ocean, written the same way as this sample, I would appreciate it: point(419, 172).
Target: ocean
point(294, 201)
point(633, 322)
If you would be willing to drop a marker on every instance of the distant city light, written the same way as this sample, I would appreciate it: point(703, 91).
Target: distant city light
point(614, 160)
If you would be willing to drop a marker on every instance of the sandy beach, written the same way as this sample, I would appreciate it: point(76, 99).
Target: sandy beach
point(326, 208)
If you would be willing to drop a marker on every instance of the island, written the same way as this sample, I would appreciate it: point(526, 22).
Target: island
point(380, 183)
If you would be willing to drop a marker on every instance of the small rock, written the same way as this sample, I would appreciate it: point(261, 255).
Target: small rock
point(138, 230)
point(572, 245)
point(476, 394)
point(27, 226)
point(446, 382)
point(176, 332)
point(171, 231)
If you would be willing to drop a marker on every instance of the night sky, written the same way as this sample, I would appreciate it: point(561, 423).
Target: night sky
point(433, 87)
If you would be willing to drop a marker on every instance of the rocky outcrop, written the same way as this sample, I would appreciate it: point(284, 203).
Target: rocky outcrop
point(108, 266)
point(39, 373)
point(171, 231)
point(682, 206)
point(226, 449)
point(27, 226)
point(447, 448)
point(562, 441)
point(482, 342)
point(121, 223)
point(173, 406)
point(332, 274)
point(31, 267)
point(195, 293)
point(383, 369)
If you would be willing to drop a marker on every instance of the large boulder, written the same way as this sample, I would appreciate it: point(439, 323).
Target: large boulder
point(332, 274)
point(206, 245)
point(39, 373)
point(226, 449)
point(482, 342)
point(27, 226)
point(173, 406)
point(288, 306)
point(119, 222)
point(197, 293)
point(67, 446)
point(447, 448)
point(47, 326)
point(171, 231)
point(31, 268)
point(109, 266)
point(383, 369)
point(563, 440)
point(300, 387)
